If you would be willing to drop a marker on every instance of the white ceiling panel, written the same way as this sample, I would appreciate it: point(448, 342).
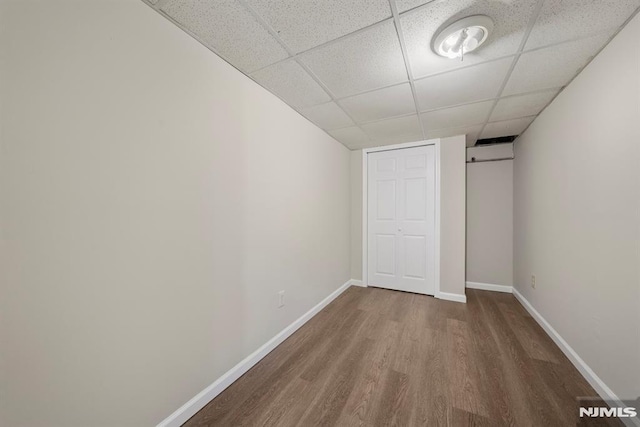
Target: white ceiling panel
point(510, 18)
point(522, 105)
point(562, 20)
point(228, 28)
point(328, 116)
point(464, 115)
point(506, 127)
point(352, 137)
point(395, 139)
point(367, 60)
point(553, 66)
point(380, 104)
point(462, 86)
point(340, 63)
point(306, 24)
point(405, 128)
point(290, 82)
point(404, 5)
point(471, 132)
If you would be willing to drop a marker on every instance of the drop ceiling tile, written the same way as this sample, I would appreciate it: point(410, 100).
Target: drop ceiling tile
point(397, 139)
point(364, 61)
point(305, 24)
point(509, 16)
point(561, 20)
point(462, 86)
point(291, 82)
point(506, 127)
point(380, 104)
point(352, 136)
point(404, 5)
point(553, 66)
point(394, 129)
point(471, 132)
point(522, 105)
point(328, 116)
point(228, 28)
point(464, 115)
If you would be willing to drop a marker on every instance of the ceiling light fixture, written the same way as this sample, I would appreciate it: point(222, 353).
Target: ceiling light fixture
point(462, 37)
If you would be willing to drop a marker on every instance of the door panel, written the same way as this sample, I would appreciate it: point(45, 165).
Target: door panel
point(414, 256)
point(386, 200)
point(415, 198)
point(416, 162)
point(386, 252)
point(401, 219)
point(386, 165)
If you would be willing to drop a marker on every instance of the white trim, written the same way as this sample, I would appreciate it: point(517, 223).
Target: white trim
point(436, 255)
point(365, 191)
point(365, 218)
point(490, 287)
point(186, 411)
point(356, 282)
point(452, 297)
point(400, 146)
point(599, 386)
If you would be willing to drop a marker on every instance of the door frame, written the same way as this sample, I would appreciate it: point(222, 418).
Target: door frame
point(365, 206)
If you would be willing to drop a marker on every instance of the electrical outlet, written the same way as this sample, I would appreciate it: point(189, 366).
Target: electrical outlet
point(533, 281)
point(280, 299)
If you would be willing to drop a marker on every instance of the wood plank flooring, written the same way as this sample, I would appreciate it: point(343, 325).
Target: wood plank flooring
point(380, 357)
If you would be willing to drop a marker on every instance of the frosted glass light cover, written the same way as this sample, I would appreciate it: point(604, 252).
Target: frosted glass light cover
point(463, 36)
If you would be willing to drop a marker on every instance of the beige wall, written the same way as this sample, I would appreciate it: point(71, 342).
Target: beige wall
point(452, 214)
point(577, 214)
point(154, 201)
point(490, 220)
point(356, 214)
point(452, 206)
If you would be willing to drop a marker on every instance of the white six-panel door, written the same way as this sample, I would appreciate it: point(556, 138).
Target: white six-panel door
point(401, 219)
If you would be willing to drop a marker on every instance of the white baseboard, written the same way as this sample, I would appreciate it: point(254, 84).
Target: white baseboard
point(452, 297)
point(490, 287)
point(356, 282)
point(599, 386)
point(186, 411)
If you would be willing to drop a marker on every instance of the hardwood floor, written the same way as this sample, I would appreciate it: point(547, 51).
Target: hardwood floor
point(381, 357)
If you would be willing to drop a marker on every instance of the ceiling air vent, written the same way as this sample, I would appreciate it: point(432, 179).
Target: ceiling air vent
point(499, 140)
